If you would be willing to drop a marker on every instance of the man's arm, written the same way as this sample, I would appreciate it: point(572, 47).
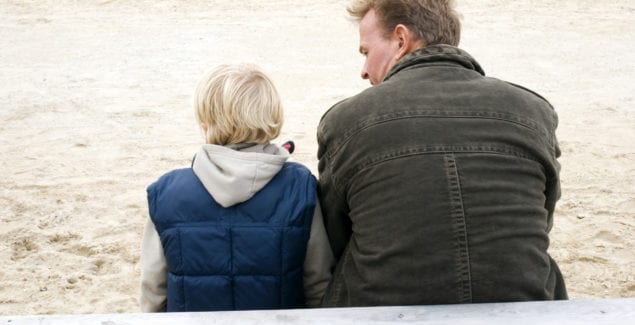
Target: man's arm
point(336, 220)
point(334, 206)
point(319, 261)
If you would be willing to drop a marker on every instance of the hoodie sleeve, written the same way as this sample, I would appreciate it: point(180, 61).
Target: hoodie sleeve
point(319, 261)
point(154, 274)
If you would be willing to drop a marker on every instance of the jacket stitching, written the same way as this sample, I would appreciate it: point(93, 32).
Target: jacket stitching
point(232, 273)
point(182, 278)
point(342, 281)
point(457, 213)
point(280, 266)
point(396, 154)
point(365, 124)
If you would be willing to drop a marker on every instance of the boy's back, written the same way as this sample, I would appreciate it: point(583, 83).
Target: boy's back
point(244, 256)
point(242, 228)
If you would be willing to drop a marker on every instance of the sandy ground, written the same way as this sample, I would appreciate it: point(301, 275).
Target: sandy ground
point(95, 105)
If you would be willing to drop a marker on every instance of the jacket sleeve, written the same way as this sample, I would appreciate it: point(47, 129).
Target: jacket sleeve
point(552, 190)
point(319, 261)
point(154, 274)
point(334, 206)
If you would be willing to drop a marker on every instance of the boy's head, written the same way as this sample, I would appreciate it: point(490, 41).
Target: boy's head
point(238, 104)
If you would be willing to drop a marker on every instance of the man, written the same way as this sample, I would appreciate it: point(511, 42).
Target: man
point(438, 184)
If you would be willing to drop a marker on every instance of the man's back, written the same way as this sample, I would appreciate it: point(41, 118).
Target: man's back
point(438, 186)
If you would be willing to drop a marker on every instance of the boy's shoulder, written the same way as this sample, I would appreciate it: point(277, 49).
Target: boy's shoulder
point(176, 173)
point(170, 176)
point(297, 174)
point(295, 167)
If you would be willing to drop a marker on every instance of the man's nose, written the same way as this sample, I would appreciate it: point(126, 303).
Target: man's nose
point(365, 74)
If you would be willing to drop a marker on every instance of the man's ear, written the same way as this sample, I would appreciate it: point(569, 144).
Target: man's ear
point(407, 40)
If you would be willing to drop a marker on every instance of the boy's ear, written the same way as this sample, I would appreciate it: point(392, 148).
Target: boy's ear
point(203, 127)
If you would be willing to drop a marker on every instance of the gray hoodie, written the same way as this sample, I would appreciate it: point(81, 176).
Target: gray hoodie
point(240, 171)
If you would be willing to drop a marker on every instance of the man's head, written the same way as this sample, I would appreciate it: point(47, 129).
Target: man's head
point(238, 104)
point(390, 29)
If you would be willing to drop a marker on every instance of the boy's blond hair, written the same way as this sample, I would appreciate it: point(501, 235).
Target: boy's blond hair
point(238, 104)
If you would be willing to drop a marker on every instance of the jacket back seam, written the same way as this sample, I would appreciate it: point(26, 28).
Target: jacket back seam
point(457, 214)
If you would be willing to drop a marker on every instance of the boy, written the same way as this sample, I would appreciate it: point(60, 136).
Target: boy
point(242, 228)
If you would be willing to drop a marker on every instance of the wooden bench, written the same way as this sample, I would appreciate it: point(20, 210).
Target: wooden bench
point(600, 311)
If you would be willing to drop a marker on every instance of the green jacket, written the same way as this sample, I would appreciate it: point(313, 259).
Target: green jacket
point(439, 186)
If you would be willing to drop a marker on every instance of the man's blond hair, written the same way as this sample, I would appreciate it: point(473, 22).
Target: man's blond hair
point(433, 21)
point(238, 104)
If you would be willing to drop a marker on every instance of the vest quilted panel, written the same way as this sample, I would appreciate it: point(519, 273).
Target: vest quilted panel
point(199, 293)
point(257, 292)
point(248, 256)
point(288, 289)
point(256, 251)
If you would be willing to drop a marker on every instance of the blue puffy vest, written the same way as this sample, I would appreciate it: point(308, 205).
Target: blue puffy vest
point(247, 256)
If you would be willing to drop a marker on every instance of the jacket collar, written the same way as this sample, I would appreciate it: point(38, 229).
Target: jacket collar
point(435, 54)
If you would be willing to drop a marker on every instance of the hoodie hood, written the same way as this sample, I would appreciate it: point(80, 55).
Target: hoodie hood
point(232, 174)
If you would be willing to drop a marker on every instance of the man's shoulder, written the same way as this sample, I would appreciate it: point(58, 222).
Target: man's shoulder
point(528, 91)
point(339, 118)
point(333, 108)
point(354, 105)
point(517, 91)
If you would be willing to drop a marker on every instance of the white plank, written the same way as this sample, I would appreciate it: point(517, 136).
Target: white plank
point(600, 311)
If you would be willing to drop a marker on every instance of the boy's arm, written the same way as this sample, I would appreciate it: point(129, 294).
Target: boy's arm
point(319, 261)
point(154, 273)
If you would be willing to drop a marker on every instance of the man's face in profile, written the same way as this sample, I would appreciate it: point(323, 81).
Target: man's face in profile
point(381, 53)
